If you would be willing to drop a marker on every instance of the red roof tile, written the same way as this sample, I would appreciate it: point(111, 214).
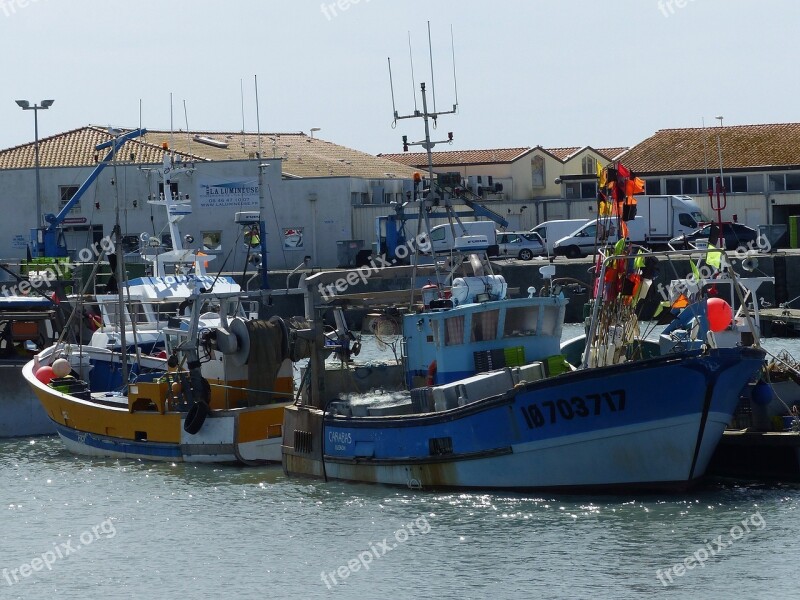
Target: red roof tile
point(302, 156)
point(695, 149)
point(454, 158)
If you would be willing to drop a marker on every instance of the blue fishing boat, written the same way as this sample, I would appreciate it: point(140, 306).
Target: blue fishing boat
point(494, 404)
point(617, 418)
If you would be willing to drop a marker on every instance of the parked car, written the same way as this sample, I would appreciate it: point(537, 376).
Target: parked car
point(735, 235)
point(520, 244)
point(552, 231)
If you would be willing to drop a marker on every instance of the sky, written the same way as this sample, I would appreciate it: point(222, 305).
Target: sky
point(529, 72)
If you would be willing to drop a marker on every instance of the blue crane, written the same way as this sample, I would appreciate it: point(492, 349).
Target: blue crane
point(48, 241)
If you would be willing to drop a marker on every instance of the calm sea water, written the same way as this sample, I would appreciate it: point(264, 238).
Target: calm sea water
point(127, 529)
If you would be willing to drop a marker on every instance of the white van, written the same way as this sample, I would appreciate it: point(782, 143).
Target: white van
point(443, 240)
point(582, 241)
point(552, 231)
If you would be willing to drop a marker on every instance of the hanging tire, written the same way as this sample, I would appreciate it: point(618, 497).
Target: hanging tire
point(196, 417)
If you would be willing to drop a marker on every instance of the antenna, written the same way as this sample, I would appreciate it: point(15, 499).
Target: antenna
point(433, 196)
point(241, 94)
point(258, 118)
point(391, 86)
point(413, 83)
point(433, 84)
point(705, 147)
point(453, 50)
point(186, 119)
point(171, 127)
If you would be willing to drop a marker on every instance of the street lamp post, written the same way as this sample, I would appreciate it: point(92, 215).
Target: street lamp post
point(44, 105)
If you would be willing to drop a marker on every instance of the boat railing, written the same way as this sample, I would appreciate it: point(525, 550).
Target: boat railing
point(609, 259)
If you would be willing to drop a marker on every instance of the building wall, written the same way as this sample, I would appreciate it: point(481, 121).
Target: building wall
point(321, 207)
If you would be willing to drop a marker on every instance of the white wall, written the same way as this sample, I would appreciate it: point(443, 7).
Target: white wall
point(288, 204)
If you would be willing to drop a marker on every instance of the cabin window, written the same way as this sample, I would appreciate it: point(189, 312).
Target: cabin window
point(454, 331)
point(521, 321)
point(212, 241)
point(435, 332)
point(136, 309)
point(686, 220)
point(549, 320)
point(66, 192)
point(112, 310)
point(484, 325)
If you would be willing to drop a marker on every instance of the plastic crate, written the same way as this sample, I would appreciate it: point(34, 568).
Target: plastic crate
point(514, 357)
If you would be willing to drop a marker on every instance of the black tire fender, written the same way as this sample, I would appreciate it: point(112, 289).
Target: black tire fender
point(196, 417)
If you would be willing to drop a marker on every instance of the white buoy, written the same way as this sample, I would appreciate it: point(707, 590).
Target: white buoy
point(61, 367)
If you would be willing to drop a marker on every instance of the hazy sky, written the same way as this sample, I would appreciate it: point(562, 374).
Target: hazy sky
point(550, 72)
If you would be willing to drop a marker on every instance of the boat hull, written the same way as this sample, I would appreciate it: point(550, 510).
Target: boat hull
point(112, 429)
point(615, 427)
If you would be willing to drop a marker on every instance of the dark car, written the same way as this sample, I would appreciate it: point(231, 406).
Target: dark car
point(735, 234)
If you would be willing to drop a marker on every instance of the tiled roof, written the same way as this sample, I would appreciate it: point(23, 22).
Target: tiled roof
point(302, 155)
point(454, 158)
point(695, 149)
point(563, 154)
point(611, 153)
point(75, 148)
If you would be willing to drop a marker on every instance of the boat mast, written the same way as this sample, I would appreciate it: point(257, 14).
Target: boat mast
point(120, 252)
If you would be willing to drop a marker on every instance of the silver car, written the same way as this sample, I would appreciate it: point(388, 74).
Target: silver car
point(519, 244)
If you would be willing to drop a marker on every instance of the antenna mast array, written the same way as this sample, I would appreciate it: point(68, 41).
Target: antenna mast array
point(433, 196)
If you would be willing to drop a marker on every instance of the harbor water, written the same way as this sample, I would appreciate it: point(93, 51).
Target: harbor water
point(74, 527)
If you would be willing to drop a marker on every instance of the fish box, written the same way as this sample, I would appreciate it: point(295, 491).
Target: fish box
point(529, 373)
point(477, 387)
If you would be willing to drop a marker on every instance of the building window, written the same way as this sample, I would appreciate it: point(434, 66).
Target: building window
point(576, 190)
point(589, 165)
point(572, 191)
point(365, 198)
point(777, 183)
point(673, 187)
point(354, 198)
point(738, 184)
point(755, 183)
point(212, 241)
point(66, 193)
point(653, 187)
point(792, 182)
point(537, 172)
point(387, 197)
point(690, 185)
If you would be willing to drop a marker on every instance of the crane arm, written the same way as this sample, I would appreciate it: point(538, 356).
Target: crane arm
point(55, 220)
